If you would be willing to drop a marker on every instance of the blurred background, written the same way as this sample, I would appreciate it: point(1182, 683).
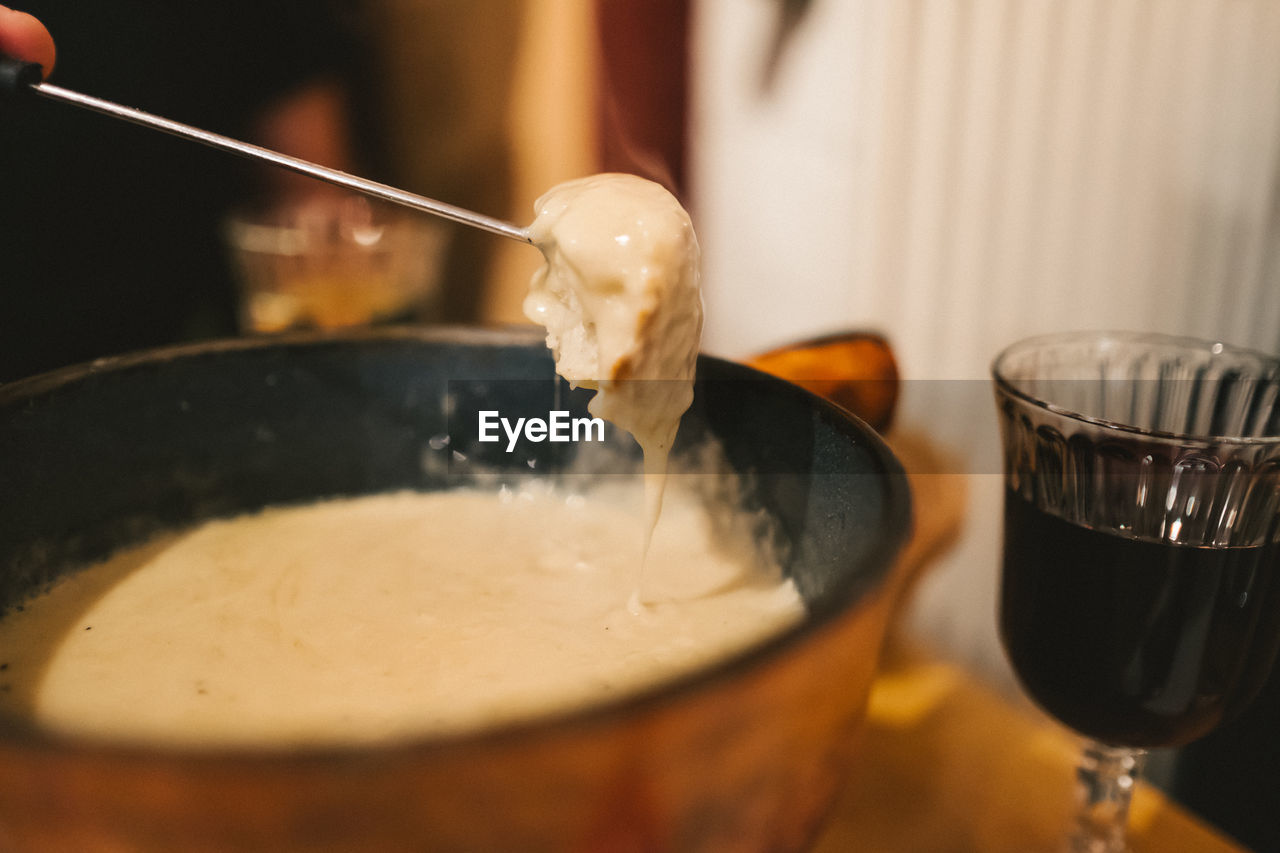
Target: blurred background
point(952, 174)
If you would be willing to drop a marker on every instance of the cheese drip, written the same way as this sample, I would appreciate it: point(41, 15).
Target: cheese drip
point(620, 299)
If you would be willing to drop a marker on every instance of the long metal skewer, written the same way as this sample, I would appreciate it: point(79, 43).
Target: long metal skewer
point(244, 149)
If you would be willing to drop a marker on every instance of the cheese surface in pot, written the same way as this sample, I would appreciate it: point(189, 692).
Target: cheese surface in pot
point(380, 618)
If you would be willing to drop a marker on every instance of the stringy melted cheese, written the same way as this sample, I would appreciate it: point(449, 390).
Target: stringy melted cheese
point(620, 298)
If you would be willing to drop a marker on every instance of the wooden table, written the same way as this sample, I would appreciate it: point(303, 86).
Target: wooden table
point(950, 766)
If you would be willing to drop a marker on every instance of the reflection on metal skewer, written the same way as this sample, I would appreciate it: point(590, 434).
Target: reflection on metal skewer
point(244, 149)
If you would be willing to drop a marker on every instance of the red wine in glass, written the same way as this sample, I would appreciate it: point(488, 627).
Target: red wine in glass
point(1132, 641)
point(1140, 593)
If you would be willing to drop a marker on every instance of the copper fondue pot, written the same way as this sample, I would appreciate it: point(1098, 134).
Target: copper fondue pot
point(745, 755)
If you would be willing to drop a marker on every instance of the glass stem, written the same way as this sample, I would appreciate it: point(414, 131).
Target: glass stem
point(1105, 778)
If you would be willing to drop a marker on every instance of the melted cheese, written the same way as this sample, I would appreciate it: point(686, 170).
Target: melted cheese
point(620, 298)
point(382, 617)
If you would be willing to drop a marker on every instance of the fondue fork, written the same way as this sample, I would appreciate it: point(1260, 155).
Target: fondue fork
point(19, 77)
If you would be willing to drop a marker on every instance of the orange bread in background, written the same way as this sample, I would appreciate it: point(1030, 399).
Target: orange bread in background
point(855, 370)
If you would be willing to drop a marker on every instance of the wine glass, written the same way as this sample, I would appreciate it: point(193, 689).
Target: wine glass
point(1140, 593)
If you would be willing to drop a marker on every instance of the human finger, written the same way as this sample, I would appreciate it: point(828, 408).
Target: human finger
point(22, 36)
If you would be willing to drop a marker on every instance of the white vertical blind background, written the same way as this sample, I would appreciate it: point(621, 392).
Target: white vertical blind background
point(961, 173)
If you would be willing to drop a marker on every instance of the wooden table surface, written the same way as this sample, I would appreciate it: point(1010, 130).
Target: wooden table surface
point(948, 765)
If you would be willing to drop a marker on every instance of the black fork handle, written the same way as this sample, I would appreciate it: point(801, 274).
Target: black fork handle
point(17, 76)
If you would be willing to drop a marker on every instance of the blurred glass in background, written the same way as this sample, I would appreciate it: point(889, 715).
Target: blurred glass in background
point(112, 237)
point(109, 234)
point(333, 262)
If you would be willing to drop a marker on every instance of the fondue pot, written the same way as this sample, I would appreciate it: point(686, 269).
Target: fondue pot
point(744, 755)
